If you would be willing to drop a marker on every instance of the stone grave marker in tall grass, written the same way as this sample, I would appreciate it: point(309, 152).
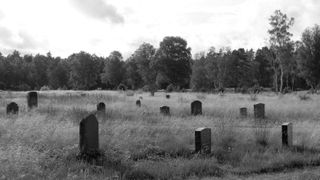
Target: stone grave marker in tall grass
point(32, 98)
point(138, 103)
point(259, 111)
point(89, 138)
point(12, 108)
point(168, 96)
point(287, 134)
point(243, 112)
point(196, 108)
point(165, 110)
point(203, 140)
point(101, 107)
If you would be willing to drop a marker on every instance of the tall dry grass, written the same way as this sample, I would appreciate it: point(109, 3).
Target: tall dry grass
point(140, 143)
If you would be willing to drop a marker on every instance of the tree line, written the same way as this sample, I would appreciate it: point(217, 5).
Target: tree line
point(284, 65)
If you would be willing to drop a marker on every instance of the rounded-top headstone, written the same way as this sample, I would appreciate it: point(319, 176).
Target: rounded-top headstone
point(32, 98)
point(101, 107)
point(89, 135)
point(165, 110)
point(12, 108)
point(138, 103)
point(196, 108)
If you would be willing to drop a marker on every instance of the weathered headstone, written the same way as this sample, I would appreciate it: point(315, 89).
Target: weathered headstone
point(138, 103)
point(32, 98)
point(243, 112)
point(196, 108)
point(12, 108)
point(259, 111)
point(165, 110)
point(168, 96)
point(203, 140)
point(89, 136)
point(287, 134)
point(101, 107)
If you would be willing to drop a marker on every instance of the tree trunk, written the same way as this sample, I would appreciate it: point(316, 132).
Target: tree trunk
point(281, 79)
point(275, 79)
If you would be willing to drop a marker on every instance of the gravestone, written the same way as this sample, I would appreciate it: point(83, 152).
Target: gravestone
point(287, 134)
point(196, 108)
point(12, 108)
point(152, 93)
point(165, 110)
point(89, 136)
point(101, 107)
point(203, 140)
point(243, 112)
point(259, 111)
point(32, 98)
point(138, 103)
point(168, 96)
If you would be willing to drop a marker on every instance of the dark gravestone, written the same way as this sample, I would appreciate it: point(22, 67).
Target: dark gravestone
point(165, 110)
point(138, 103)
point(203, 140)
point(196, 108)
point(243, 112)
point(12, 108)
point(259, 111)
point(101, 107)
point(168, 96)
point(32, 98)
point(287, 134)
point(89, 136)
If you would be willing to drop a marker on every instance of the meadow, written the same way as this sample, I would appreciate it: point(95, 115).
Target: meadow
point(140, 143)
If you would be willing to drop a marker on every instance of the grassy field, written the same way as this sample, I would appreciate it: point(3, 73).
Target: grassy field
point(139, 143)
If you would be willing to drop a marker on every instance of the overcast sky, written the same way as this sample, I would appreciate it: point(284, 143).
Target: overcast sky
point(101, 26)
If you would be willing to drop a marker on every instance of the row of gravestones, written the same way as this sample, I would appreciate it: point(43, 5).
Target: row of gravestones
point(89, 138)
point(203, 138)
point(196, 109)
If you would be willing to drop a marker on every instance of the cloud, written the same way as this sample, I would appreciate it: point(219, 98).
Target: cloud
point(99, 9)
point(21, 40)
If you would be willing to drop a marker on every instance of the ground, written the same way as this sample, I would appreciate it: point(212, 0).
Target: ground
point(140, 143)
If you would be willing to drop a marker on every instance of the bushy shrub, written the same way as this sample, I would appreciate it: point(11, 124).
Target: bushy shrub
point(129, 93)
point(171, 88)
point(44, 88)
point(304, 97)
point(122, 87)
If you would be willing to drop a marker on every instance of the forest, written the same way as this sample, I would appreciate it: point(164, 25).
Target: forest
point(282, 66)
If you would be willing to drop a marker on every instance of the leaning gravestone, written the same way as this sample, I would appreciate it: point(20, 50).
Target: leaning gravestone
point(243, 112)
point(287, 134)
point(89, 137)
point(196, 108)
point(32, 98)
point(101, 107)
point(259, 111)
point(12, 108)
point(138, 103)
point(165, 110)
point(203, 140)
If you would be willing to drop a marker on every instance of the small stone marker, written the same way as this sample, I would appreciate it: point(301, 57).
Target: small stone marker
point(196, 108)
point(203, 140)
point(138, 103)
point(165, 110)
point(101, 107)
point(12, 108)
point(287, 134)
point(32, 98)
point(89, 135)
point(259, 111)
point(168, 96)
point(243, 112)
